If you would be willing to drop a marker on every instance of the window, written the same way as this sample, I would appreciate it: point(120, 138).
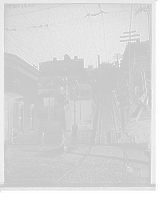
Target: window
point(32, 115)
point(51, 102)
point(65, 80)
point(46, 102)
point(21, 115)
point(48, 69)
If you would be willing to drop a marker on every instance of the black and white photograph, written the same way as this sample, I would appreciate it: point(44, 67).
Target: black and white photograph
point(79, 95)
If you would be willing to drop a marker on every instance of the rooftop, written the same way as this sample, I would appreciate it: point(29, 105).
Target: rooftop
point(61, 61)
point(12, 56)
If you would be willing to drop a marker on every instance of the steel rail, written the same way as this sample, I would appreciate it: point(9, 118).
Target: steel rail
point(113, 116)
point(101, 111)
point(76, 165)
point(125, 157)
point(96, 116)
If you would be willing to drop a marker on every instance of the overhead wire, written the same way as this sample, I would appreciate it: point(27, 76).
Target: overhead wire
point(91, 29)
point(103, 30)
point(63, 22)
point(22, 50)
point(130, 19)
point(50, 36)
point(38, 33)
point(47, 25)
point(33, 11)
point(21, 43)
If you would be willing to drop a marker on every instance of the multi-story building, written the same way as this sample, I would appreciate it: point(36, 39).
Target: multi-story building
point(56, 77)
point(134, 91)
point(20, 99)
point(93, 74)
point(140, 58)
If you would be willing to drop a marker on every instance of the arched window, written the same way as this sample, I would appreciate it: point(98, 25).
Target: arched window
point(32, 117)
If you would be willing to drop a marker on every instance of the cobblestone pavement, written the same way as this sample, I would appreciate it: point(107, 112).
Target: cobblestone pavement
point(47, 166)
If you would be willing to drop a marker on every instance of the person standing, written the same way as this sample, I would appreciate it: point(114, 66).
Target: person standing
point(64, 141)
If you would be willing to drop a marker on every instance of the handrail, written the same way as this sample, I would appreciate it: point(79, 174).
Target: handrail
point(96, 116)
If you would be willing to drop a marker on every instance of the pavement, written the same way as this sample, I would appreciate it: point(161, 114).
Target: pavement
point(82, 165)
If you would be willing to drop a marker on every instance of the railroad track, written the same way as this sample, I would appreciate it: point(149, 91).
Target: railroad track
point(78, 164)
point(105, 121)
point(125, 156)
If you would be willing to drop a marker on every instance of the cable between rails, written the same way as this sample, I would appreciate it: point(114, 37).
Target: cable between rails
point(125, 157)
point(77, 164)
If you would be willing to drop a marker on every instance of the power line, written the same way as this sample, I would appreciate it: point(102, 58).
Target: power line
point(33, 11)
point(64, 22)
point(129, 49)
point(22, 50)
point(21, 43)
point(91, 30)
point(103, 30)
point(50, 36)
point(130, 19)
point(44, 25)
point(37, 31)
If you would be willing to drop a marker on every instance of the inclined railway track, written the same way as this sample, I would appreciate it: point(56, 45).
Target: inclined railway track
point(74, 167)
point(105, 121)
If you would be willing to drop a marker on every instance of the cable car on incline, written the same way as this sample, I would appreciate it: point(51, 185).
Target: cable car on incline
point(81, 100)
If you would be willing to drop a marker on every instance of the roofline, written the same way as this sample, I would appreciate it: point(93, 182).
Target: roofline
point(58, 61)
point(22, 61)
point(133, 43)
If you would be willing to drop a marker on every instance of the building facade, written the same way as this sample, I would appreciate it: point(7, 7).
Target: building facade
point(133, 94)
point(20, 99)
point(93, 74)
point(57, 77)
point(140, 58)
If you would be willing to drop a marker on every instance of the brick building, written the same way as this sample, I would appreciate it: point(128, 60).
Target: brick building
point(20, 99)
point(56, 77)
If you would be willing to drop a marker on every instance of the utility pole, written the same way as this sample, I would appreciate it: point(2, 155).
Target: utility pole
point(74, 108)
point(148, 8)
point(117, 57)
point(98, 61)
point(129, 48)
point(55, 88)
point(133, 69)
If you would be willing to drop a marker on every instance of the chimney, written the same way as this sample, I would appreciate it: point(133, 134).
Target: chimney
point(75, 57)
point(67, 57)
point(54, 59)
point(98, 64)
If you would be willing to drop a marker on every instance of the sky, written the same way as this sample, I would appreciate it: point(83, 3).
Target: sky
point(37, 33)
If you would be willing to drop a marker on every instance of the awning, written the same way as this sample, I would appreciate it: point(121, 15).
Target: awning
point(13, 94)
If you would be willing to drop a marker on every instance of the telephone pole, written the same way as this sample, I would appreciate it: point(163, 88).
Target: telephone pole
point(55, 88)
point(129, 48)
point(148, 8)
point(117, 58)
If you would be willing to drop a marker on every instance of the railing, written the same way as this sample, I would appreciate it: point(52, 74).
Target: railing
point(68, 72)
point(79, 94)
point(49, 137)
point(83, 137)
